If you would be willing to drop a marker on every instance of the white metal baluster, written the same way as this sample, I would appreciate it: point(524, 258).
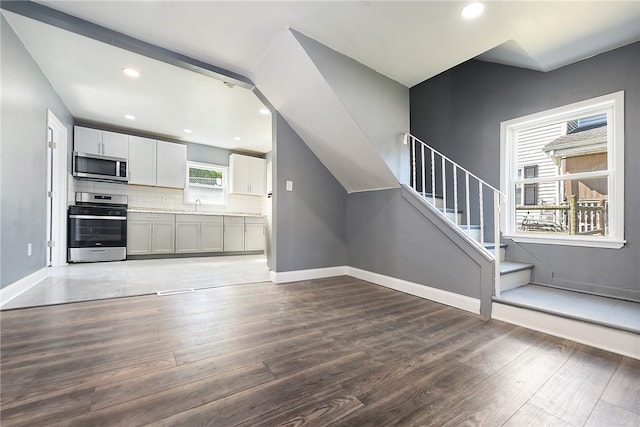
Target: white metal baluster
point(423, 171)
point(455, 194)
point(433, 177)
point(481, 213)
point(496, 239)
point(467, 210)
point(413, 155)
point(444, 186)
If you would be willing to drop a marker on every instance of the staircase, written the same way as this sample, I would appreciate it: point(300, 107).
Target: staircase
point(467, 203)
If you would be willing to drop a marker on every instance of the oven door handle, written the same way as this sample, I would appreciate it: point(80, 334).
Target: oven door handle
point(114, 218)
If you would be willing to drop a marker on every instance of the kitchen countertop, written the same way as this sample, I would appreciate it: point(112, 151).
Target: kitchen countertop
point(179, 212)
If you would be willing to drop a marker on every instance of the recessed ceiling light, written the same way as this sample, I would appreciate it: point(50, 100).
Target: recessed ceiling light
point(188, 131)
point(264, 111)
point(129, 117)
point(131, 72)
point(472, 10)
point(237, 138)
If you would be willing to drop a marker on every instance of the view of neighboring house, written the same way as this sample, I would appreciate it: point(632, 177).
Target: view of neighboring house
point(563, 149)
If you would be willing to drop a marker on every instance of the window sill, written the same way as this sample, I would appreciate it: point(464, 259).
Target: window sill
point(569, 241)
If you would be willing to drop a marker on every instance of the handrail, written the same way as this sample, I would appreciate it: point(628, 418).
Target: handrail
point(408, 135)
point(498, 197)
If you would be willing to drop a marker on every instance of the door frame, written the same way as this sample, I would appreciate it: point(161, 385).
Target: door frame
point(56, 215)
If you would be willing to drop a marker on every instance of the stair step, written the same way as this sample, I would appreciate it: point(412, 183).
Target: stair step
point(491, 245)
point(451, 214)
point(514, 274)
point(439, 203)
point(503, 246)
point(605, 311)
point(513, 267)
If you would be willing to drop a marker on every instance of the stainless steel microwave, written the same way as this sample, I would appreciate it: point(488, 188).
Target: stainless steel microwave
point(101, 168)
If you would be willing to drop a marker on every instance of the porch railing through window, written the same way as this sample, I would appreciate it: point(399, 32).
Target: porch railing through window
point(466, 200)
point(577, 217)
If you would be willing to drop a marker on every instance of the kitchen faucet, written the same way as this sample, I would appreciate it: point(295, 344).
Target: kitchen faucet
point(195, 208)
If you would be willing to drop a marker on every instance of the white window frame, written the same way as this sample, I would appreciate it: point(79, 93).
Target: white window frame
point(210, 166)
point(613, 105)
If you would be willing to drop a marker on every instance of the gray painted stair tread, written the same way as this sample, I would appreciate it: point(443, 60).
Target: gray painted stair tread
point(491, 245)
point(610, 312)
point(430, 195)
point(450, 210)
point(511, 267)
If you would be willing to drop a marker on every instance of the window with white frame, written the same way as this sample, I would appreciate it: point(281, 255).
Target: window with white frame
point(563, 173)
point(207, 183)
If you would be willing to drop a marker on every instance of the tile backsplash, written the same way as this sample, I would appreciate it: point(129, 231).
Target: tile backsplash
point(140, 196)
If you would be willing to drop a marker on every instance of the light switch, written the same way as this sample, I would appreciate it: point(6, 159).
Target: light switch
point(289, 186)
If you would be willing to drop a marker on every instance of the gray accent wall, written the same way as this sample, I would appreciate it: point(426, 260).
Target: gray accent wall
point(377, 103)
point(459, 112)
point(394, 233)
point(26, 96)
point(310, 222)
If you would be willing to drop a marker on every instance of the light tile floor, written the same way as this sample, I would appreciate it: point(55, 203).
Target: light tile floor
point(90, 281)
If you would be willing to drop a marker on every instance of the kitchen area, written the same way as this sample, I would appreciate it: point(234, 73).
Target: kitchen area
point(164, 185)
point(133, 200)
point(133, 229)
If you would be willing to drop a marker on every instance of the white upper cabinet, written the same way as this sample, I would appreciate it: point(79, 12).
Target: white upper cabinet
point(157, 163)
point(115, 144)
point(142, 161)
point(86, 140)
point(100, 142)
point(171, 164)
point(248, 175)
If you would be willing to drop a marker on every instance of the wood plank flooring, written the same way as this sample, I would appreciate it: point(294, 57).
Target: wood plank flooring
point(336, 351)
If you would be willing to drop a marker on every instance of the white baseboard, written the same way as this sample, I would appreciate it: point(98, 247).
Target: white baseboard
point(610, 339)
point(313, 273)
point(20, 286)
point(438, 295)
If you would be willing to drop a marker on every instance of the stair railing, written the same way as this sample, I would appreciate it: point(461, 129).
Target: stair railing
point(431, 160)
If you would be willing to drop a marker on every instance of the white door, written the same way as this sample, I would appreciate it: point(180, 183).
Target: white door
point(56, 192)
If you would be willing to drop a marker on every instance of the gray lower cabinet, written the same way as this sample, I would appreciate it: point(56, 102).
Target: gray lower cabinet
point(150, 233)
point(233, 233)
point(254, 234)
point(165, 233)
point(199, 233)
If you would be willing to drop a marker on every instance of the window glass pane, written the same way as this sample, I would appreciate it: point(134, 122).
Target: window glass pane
point(206, 183)
point(205, 176)
point(561, 149)
point(570, 207)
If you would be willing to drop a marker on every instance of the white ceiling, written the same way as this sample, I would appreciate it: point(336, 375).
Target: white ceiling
point(406, 41)
point(165, 99)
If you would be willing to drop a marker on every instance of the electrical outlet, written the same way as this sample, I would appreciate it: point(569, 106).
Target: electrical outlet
point(29, 249)
point(289, 185)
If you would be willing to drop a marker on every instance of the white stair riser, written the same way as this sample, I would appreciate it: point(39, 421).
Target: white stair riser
point(439, 203)
point(514, 279)
point(452, 216)
point(502, 253)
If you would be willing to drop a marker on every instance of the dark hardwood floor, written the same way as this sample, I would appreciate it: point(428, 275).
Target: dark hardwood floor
point(336, 351)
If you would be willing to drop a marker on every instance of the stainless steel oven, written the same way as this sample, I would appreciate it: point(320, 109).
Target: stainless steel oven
point(97, 228)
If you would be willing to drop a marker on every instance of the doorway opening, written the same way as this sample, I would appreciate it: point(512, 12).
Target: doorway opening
point(56, 192)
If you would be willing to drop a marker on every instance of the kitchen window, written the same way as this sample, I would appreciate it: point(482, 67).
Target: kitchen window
point(206, 182)
point(562, 171)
